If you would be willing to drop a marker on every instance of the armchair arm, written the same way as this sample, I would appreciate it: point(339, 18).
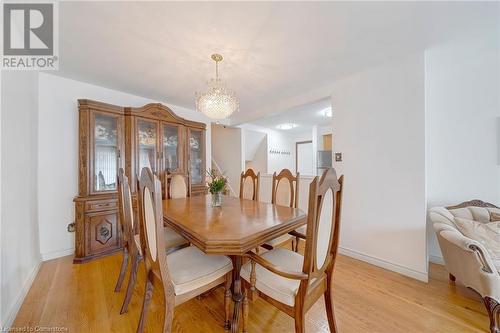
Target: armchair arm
point(277, 270)
point(482, 258)
point(448, 235)
point(469, 261)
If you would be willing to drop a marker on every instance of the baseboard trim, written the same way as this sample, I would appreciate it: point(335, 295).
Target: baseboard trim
point(12, 313)
point(57, 254)
point(421, 276)
point(436, 259)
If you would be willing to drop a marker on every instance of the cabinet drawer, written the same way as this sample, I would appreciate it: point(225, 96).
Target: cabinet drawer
point(98, 205)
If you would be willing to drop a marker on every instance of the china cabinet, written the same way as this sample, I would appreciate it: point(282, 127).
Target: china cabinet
point(196, 159)
point(111, 137)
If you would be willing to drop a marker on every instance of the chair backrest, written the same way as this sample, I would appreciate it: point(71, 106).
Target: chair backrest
point(323, 223)
point(125, 209)
point(249, 185)
point(285, 191)
point(178, 186)
point(476, 210)
point(153, 246)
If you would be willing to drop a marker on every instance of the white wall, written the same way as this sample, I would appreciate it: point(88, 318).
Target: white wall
point(58, 153)
point(20, 255)
point(379, 127)
point(255, 150)
point(228, 152)
point(463, 109)
point(277, 140)
point(303, 136)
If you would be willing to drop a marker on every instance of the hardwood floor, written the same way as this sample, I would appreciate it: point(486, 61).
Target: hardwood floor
point(367, 299)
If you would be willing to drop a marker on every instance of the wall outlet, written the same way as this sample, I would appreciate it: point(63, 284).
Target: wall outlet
point(71, 227)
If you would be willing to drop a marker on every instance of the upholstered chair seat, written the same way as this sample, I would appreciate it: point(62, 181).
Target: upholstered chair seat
point(173, 239)
point(191, 269)
point(444, 219)
point(273, 285)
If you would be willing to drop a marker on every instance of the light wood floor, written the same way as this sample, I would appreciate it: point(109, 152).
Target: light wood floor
point(367, 299)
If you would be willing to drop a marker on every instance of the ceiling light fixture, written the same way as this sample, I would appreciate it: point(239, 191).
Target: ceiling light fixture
point(286, 126)
point(217, 102)
point(326, 112)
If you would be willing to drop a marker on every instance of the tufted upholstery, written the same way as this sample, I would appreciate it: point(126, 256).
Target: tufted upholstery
point(468, 260)
point(480, 214)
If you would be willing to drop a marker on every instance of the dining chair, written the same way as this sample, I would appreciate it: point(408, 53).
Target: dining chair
point(249, 185)
point(292, 282)
point(130, 240)
point(177, 186)
point(285, 192)
point(183, 274)
point(249, 188)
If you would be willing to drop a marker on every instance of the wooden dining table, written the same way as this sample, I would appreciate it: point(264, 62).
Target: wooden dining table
point(233, 229)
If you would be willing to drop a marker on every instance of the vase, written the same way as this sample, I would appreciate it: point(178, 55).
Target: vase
point(217, 199)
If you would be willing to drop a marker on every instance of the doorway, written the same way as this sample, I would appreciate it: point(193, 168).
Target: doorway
point(304, 157)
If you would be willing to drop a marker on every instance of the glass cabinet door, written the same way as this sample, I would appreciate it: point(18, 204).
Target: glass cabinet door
point(196, 150)
point(170, 146)
point(106, 152)
point(147, 133)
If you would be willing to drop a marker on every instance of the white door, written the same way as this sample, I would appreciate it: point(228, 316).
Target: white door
point(305, 158)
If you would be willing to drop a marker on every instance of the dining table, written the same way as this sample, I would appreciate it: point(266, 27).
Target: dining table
point(233, 229)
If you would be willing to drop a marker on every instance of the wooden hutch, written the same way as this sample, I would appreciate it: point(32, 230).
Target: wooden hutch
point(113, 137)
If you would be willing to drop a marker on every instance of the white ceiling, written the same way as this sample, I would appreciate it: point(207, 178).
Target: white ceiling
point(277, 55)
point(305, 116)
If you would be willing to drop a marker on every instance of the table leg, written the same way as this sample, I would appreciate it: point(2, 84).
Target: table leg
point(237, 294)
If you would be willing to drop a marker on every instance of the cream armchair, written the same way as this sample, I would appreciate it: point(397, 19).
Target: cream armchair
point(466, 259)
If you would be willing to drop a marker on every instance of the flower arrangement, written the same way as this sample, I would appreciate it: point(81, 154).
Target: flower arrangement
point(216, 182)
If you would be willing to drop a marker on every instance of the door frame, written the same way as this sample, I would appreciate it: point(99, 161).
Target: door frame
point(297, 153)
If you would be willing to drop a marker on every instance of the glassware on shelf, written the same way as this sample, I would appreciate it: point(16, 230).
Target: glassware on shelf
point(195, 161)
point(170, 147)
point(105, 152)
point(147, 133)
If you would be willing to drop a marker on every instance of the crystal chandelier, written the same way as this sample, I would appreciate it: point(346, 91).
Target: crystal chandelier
point(217, 102)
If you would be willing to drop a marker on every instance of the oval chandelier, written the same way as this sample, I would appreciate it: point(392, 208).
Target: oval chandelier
point(217, 102)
